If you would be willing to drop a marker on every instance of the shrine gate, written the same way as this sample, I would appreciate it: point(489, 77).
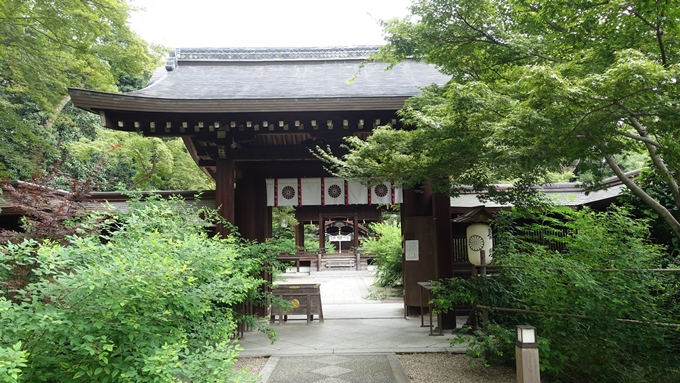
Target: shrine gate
point(250, 118)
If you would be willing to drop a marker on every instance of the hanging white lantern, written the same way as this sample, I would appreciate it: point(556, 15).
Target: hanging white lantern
point(479, 238)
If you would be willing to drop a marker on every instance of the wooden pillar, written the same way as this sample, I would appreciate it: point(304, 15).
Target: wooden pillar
point(418, 225)
point(356, 232)
point(224, 193)
point(441, 211)
point(263, 225)
point(322, 232)
point(357, 262)
point(250, 211)
point(416, 203)
point(251, 214)
point(300, 235)
point(245, 205)
point(268, 221)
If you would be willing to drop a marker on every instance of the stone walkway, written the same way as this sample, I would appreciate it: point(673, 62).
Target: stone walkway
point(356, 343)
point(336, 369)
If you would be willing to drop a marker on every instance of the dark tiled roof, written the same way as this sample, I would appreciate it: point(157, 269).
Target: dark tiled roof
point(228, 80)
point(255, 80)
point(564, 194)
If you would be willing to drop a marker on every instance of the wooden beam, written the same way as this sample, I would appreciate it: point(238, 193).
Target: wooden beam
point(312, 213)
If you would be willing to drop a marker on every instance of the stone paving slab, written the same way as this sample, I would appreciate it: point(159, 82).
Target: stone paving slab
point(325, 368)
point(364, 311)
point(337, 287)
point(347, 336)
point(356, 343)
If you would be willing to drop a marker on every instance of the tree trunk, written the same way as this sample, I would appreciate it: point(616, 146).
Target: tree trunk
point(57, 111)
point(646, 198)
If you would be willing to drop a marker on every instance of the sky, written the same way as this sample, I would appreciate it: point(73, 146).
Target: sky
point(263, 23)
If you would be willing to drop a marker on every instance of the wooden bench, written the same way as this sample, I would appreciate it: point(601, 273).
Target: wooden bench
point(305, 298)
point(339, 262)
point(296, 259)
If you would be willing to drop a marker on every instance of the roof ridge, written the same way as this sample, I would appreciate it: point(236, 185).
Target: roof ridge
point(274, 53)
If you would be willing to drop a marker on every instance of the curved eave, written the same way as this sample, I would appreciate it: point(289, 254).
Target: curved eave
point(95, 101)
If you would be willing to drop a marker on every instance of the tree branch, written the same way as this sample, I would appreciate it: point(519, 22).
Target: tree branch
point(578, 123)
point(149, 174)
point(654, 154)
point(646, 198)
point(646, 140)
point(657, 31)
point(492, 40)
point(551, 23)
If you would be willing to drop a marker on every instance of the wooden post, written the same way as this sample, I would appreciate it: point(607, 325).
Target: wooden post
point(250, 204)
point(322, 232)
point(441, 212)
point(356, 241)
point(225, 192)
point(526, 355)
point(473, 314)
point(528, 370)
point(485, 312)
point(300, 235)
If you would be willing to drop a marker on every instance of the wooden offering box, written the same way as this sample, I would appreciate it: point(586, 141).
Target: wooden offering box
point(306, 300)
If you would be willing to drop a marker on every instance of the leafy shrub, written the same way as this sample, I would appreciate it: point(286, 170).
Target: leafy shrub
point(156, 301)
point(12, 359)
point(386, 245)
point(600, 348)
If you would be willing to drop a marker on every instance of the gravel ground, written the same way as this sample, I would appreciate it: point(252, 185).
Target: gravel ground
point(452, 368)
point(425, 368)
point(254, 365)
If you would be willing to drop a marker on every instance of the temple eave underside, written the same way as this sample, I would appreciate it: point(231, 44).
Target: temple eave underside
point(282, 139)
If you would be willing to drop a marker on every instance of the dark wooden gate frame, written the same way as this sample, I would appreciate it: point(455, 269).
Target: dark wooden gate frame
point(241, 141)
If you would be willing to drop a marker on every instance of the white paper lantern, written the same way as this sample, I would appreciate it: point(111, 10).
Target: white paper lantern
point(479, 238)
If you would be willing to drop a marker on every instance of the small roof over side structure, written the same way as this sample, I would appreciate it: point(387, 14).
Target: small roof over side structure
point(561, 194)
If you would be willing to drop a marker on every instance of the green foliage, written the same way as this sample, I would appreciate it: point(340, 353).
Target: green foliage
point(12, 359)
point(534, 87)
point(283, 222)
point(24, 140)
point(386, 245)
point(655, 186)
point(49, 46)
point(136, 162)
point(600, 348)
point(155, 300)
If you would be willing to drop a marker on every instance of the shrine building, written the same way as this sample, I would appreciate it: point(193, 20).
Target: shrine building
point(250, 118)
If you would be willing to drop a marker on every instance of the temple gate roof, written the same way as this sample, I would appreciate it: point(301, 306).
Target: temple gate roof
point(271, 80)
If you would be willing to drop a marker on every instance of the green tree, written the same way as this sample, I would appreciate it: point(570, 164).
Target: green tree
point(136, 162)
point(579, 310)
point(152, 299)
point(49, 46)
point(535, 86)
point(46, 48)
point(283, 222)
point(386, 245)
